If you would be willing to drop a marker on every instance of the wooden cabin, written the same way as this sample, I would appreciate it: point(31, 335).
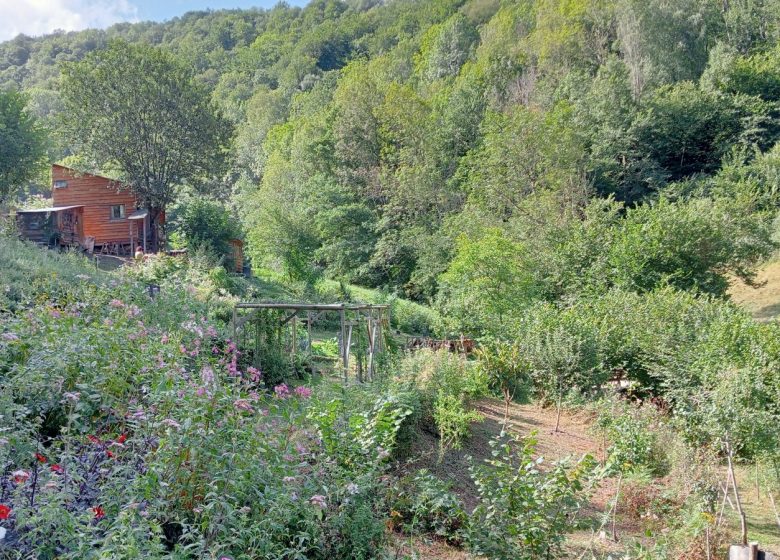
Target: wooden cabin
point(95, 212)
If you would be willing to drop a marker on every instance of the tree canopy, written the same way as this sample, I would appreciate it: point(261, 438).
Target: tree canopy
point(139, 108)
point(22, 144)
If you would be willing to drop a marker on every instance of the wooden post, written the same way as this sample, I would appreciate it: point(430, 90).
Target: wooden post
point(343, 343)
point(308, 331)
point(347, 348)
point(294, 334)
point(132, 238)
point(257, 340)
point(144, 221)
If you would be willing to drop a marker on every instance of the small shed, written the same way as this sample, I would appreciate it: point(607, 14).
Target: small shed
point(53, 226)
point(237, 255)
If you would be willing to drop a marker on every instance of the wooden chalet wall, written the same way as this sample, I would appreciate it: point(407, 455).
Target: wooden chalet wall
point(97, 195)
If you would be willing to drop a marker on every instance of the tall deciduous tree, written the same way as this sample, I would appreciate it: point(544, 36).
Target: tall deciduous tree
point(139, 108)
point(22, 144)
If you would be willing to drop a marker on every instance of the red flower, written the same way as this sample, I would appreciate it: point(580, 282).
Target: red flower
point(41, 458)
point(5, 512)
point(57, 468)
point(93, 439)
point(121, 439)
point(109, 454)
point(99, 513)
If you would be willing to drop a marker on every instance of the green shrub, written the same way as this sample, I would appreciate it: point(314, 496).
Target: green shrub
point(524, 511)
point(452, 420)
point(633, 441)
point(422, 503)
point(444, 382)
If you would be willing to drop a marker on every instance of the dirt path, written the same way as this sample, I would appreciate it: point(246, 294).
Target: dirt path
point(573, 440)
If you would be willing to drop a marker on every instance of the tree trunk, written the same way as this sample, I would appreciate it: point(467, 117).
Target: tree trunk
point(154, 230)
point(774, 507)
point(560, 403)
point(740, 511)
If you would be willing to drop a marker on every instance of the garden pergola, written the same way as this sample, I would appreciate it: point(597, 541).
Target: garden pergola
point(352, 319)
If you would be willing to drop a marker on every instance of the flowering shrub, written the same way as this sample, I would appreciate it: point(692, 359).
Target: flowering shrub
point(130, 428)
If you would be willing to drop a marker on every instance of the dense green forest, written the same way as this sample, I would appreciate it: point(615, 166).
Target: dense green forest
point(376, 140)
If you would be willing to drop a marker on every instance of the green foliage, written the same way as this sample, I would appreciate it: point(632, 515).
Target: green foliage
point(425, 504)
point(152, 444)
point(634, 444)
point(524, 510)
point(443, 382)
point(22, 144)
point(205, 223)
point(139, 107)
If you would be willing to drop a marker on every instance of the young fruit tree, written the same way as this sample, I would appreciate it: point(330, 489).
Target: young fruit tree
point(139, 109)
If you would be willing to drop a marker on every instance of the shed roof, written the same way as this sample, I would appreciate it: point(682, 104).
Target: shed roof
point(47, 210)
point(138, 215)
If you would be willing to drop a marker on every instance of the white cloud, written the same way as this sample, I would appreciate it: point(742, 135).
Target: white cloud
point(36, 17)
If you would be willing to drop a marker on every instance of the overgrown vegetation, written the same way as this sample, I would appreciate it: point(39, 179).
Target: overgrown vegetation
point(571, 183)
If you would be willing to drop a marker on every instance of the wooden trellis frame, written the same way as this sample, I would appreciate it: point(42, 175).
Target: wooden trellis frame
point(372, 318)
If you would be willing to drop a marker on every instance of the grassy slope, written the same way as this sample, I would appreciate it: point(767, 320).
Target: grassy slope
point(764, 301)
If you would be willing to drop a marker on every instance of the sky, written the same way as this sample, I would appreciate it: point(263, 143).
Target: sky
point(37, 17)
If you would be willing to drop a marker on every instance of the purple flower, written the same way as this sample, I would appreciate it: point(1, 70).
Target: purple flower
point(9, 336)
point(243, 404)
point(171, 422)
point(319, 501)
point(207, 375)
point(303, 392)
point(116, 303)
point(282, 391)
point(254, 373)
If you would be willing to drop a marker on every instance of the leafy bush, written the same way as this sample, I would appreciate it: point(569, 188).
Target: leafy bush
point(452, 420)
point(444, 382)
point(205, 223)
point(633, 441)
point(524, 511)
point(422, 503)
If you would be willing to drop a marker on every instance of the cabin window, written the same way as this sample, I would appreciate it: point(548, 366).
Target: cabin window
point(60, 184)
point(118, 212)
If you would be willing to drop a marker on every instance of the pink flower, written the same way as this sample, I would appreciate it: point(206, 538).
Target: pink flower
point(54, 313)
point(9, 336)
point(20, 476)
point(254, 373)
point(116, 303)
point(72, 396)
point(303, 392)
point(171, 422)
point(282, 391)
point(207, 375)
point(319, 501)
point(243, 404)
point(164, 339)
point(211, 331)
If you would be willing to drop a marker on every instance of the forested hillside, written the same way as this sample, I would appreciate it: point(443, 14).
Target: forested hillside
point(376, 140)
point(569, 190)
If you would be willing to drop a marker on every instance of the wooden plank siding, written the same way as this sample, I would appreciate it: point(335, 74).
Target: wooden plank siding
point(97, 194)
